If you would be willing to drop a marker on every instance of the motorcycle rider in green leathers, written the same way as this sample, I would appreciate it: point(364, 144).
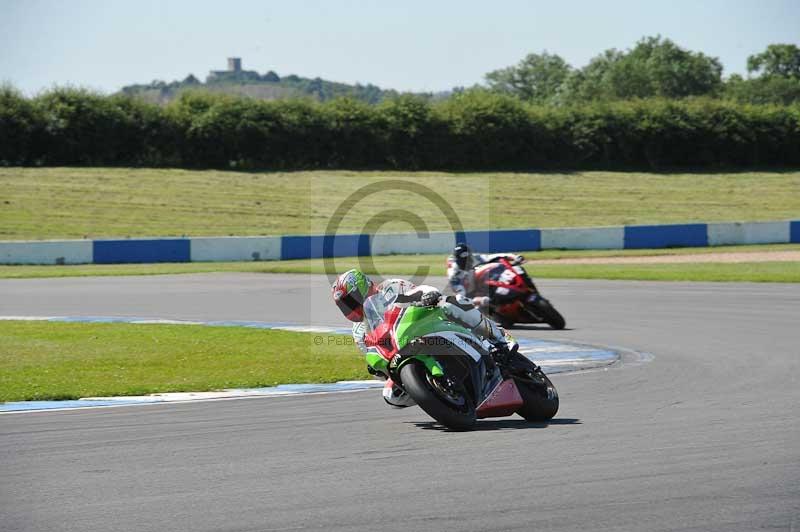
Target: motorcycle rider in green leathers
point(353, 287)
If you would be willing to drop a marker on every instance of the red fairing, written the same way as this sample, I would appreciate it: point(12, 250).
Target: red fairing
point(517, 284)
point(503, 401)
point(382, 337)
point(512, 310)
point(502, 275)
point(482, 273)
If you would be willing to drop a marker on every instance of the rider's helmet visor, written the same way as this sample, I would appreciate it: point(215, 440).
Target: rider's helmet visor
point(351, 305)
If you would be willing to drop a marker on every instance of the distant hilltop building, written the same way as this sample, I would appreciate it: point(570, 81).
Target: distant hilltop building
point(234, 72)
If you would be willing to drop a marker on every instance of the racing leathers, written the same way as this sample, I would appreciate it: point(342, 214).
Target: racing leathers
point(458, 309)
point(462, 281)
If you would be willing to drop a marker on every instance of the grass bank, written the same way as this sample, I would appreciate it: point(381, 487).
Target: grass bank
point(49, 203)
point(754, 272)
point(53, 361)
point(408, 264)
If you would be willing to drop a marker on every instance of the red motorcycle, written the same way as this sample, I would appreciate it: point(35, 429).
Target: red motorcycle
point(513, 298)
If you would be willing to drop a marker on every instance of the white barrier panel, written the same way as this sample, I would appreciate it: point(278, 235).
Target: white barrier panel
point(235, 248)
point(584, 238)
point(410, 243)
point(47, 252)
point(748, 233)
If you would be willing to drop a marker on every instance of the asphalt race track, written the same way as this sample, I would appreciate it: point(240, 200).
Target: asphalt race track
point(706, 436)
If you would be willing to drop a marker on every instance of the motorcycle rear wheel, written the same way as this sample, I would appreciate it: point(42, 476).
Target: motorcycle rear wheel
point(434, 400)
point(548, 313)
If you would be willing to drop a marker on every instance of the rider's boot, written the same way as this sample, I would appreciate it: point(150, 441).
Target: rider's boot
point(395, 396)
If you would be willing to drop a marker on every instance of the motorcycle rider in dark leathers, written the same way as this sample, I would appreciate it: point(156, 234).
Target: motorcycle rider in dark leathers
point(461, 270)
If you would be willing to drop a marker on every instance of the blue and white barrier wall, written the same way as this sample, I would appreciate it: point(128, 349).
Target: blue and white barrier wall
point(47, 252)
point(216, 249)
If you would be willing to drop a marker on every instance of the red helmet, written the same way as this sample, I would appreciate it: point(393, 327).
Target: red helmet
point(349, 292)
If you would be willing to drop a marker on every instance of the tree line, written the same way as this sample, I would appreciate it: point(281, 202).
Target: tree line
point(654, 67)
point(292, 86)
point(477, 129)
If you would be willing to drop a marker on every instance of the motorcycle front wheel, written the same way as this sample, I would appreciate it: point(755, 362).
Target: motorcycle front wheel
point(450, 408)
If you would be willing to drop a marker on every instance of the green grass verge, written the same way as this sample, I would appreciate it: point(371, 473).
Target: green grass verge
point(408, 264)
point(47, 203)
point(755, 272)
point(53, 361)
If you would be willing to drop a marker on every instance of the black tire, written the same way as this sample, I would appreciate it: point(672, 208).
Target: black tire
point(416, 382)
point(539, 395)
point(545, 310)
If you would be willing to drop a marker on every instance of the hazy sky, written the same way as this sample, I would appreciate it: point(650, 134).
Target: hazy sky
point(407, 45)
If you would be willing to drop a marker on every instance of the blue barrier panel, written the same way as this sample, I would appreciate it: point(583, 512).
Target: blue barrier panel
point(319, 246)
point(295, 247)
point(340, 246)
point(502, 240)
point(666, 236)
point(141, 251)
point(794, 232)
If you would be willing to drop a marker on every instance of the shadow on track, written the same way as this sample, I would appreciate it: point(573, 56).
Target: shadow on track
point(499, 424)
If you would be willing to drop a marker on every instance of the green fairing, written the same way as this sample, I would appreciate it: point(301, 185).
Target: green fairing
point(430, 363)
point(416, 322)
point(377, 362)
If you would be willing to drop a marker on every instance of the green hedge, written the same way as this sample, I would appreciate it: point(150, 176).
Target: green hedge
point(473, 130)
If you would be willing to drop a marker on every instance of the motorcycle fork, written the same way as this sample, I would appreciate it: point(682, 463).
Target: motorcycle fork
point(485, 377)
point(459, 376)
point(520, 366)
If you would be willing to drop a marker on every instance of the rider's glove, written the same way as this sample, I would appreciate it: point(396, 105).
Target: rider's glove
point(519, 260)
point(430, 299)
point(503, 350)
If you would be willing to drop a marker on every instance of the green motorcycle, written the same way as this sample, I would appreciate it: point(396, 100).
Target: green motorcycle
point(451, 373)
